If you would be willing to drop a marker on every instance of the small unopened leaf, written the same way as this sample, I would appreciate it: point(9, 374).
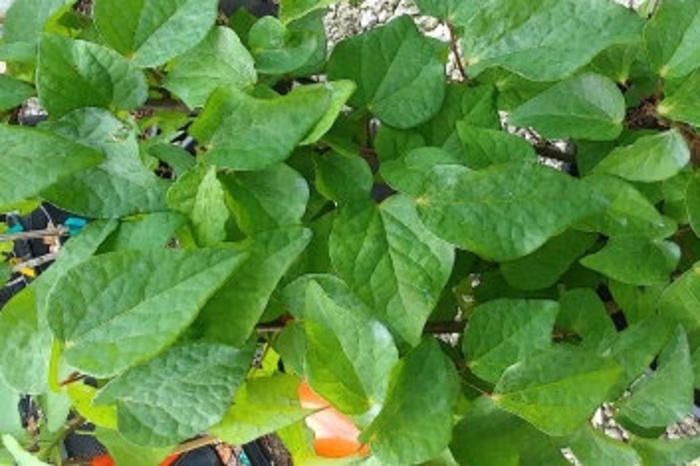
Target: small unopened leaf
point(33, 160)
point(178, 394)
point(557, 390)
point(502, 332)
point(151, 33)
point(407, 84)
point(107, 301)
point(649, 158)
point(670, 38)
point(665, 396)
point(66, 77)
point(589, 106)
point(416, 422)
point(248, 133)
point(219, 60)
point(261, 406)
point(504, 211)
point(636, 261)
point(392, 262)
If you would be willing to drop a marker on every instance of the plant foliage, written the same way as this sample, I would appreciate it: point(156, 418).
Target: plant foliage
point(466, 292)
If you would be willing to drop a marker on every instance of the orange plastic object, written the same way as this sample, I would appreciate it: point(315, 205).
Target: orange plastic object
point(102, 460)
point(335, 435)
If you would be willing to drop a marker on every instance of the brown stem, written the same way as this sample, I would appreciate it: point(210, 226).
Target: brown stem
point(431, 328)
point(193, 444)
point(454, 48)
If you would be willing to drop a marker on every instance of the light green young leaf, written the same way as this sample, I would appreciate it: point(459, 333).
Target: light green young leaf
point(648, 159)
point(32, 160)
point(329, 304)
point(504, 211)
point(243, 298)
point(199, 195)
point(247, 133)
point(178, 394)
point(544, 40)
point(291, 10)
point(503, 332)
point(629, 212)
point(67, 77)
point(683, 103)
point(278, 50)
point(260, 407)
point(406, 84)
point(121, 297)
point(485, 146)
point(557, 390)
point(666, 396)
point(392, 262)
point(26, 19)
point(416, 422)
point(13, 92)
point(588, 106)
point(543, 267)
point(670, 37)
point(121, 185)
point(151, 33)
point(635, 261)
point(591, 446)
point(267, 199)
point(219, 60)
point(489, 436)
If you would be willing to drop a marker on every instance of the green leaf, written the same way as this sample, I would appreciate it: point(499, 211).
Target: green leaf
point(670, 38)
point(682, 104)
point(247, 133)
point(649, 158)
point(543, 40)
point(666, 396)
point(20, 455)
point(146, 232)
point(178, 394)
point(485, 146)
point(219, 60)
point(199, 195)
point(416, 422)
point(406, 173)
point(582, 312)
point(398, 71)
point(24, 350)
point(629, 212)
point(32, 160)
point(446, 10)
point(489, 436)
point(175, 156)
point(291, 10)
point(81, 397)
point(503, 332)
point(692, 203)
point(343, 179)
point(393, 263)
point(661, 452)
point(361, 340)
point(557, 390)
point(125, 452)
point(10, 421)
point(592, 446)
point(150, 33)
point(74, 74)
point(278, 50)
point(13, 92)
point(267, 199)
point(588, 106)
point(26, 19)
point(635, 261)
point(341, 91)
point(504, 211)
point(638, 302)
point(543, 267)
point(680, 303)
point(261, 406)
point(121, 185)
point(125, 295)
point(243, 298)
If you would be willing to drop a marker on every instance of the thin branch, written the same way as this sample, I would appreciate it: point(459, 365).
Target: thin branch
point(34, 234)
point(203, 441)
point(431, 328)
point(454, 48)
point(36, 262)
